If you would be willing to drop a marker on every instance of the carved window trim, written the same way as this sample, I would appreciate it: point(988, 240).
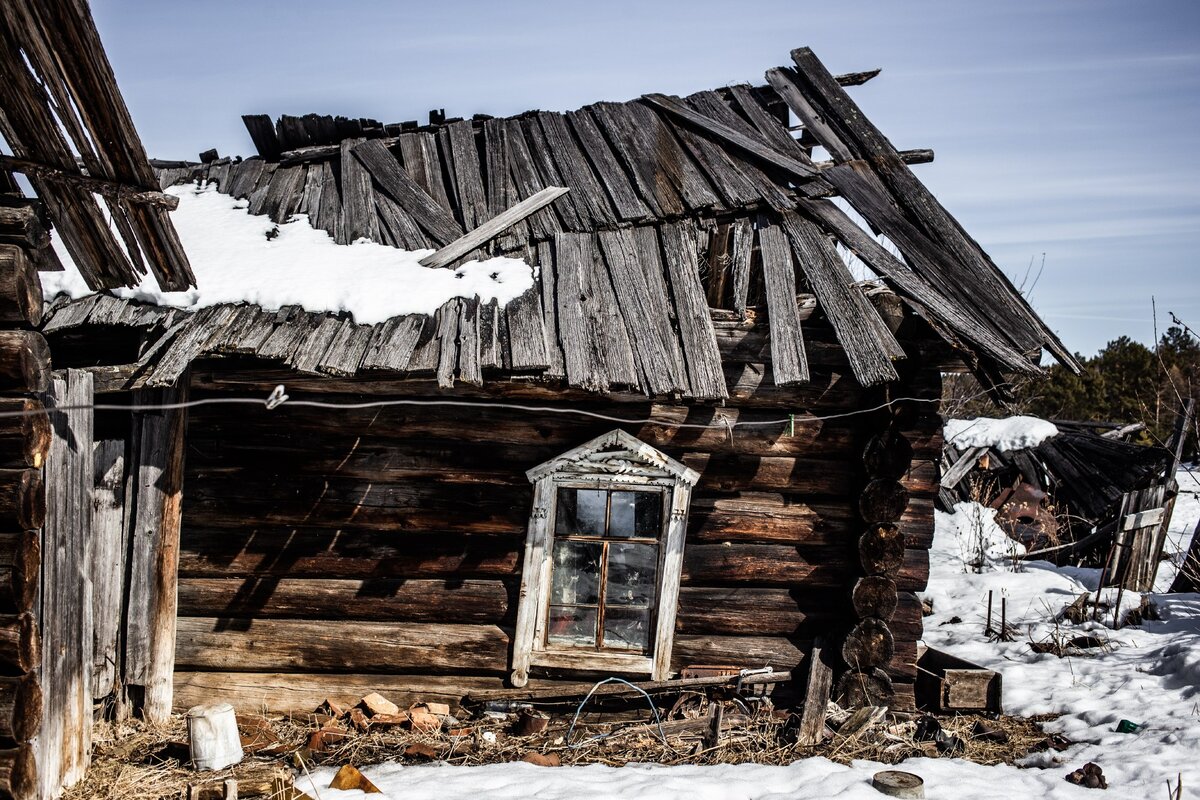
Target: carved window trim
point(613, 461)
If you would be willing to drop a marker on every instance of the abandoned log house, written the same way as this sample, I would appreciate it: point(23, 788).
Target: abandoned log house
point(694, 437)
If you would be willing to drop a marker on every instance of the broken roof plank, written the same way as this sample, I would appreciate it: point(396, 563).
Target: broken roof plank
point(311, 202)
point(490, 348)
point(635, 270)
point(291, 330)
point(608, 170)
point(73, 314)
point(757, 149)
point(770, 182)
point(501, 191)
point(492, 228)
point(469, 370)
point(595, 209)
point(263, 135)
point(851, 136)
point(913, 287)
point(392, 343)
point(705, 373)
point(789, 363)
point(261, 188)
point(741, 251)
point(315, 344)
point(346, 350)
point(526, 331)
point(420, 159)
point(468, 180)
point(597, 352)
point(862, 188)
point(332, 220)
point(868, 344)
point(857, 78)
point(658, 189)
point(397, 225)
point(526, 182)
point(358, 198)
point(243, 177)
point(395, 182)
point(446, 340)
point(544, 258)
point(774, 130)
point(549, 175)
point(582, 358)
point(284, 193)
point(736, 189)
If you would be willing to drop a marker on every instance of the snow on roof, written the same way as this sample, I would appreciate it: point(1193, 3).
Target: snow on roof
point(238, 257)
point(1011, 433)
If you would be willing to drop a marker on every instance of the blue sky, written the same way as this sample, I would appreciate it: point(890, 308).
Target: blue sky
point(1065, 130)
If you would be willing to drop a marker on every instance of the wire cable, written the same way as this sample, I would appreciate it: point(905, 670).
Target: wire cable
point(278, 397)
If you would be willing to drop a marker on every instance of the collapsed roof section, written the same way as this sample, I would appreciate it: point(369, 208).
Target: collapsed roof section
point(70, 133)
point(675, 206)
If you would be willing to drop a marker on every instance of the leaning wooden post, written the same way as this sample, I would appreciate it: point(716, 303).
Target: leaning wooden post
point(64, 746)
point(156, 491)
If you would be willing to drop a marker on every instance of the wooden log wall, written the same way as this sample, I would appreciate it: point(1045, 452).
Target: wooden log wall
point(322, 552)
point(25, 445)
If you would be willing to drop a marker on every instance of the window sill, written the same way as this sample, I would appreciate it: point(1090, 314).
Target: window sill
point(592, 661)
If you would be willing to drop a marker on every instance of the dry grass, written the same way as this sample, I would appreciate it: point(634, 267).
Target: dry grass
point(133, 761)
point(136, 761)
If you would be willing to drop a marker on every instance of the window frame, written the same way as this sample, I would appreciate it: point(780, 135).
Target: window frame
point(615, 461)
point(664, 494)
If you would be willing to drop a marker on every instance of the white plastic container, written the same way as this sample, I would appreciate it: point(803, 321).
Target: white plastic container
point(213, 736)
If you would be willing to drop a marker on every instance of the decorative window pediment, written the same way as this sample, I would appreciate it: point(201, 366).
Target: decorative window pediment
point(603, 557)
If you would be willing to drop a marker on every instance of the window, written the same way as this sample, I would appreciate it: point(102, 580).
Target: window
point(604, 568)
point(603, 558)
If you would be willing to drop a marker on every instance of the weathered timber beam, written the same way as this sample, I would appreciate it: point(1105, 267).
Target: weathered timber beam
point(20, 707)
point(22, 498)
point(20, 287)
point(18, 773)
point(320, 152)
point(100, 186)
point(856, 78)
point(154, 559)
point(24, 362)
point(20, 644)
point(921, 155)
point(962, 466)
point(111, 378)
point(20, 569)
point(756, 149)
point(493, 228)
point(24, 439)
point(20, 225)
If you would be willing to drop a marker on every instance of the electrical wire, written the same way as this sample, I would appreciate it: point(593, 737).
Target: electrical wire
point(278, 397)
point(579, 710)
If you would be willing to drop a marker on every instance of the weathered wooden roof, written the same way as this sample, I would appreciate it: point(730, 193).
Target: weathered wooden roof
point(675, 205)
point(58, 98)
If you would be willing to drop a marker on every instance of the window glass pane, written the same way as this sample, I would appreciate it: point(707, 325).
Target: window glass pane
point(635, 514)
point(575, 575)
point(627, 628)
point(632, 573)
point(581, 511)
point(571, 625)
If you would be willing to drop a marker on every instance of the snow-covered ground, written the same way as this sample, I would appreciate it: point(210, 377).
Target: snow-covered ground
point(1148, 674)
point(238, 257)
